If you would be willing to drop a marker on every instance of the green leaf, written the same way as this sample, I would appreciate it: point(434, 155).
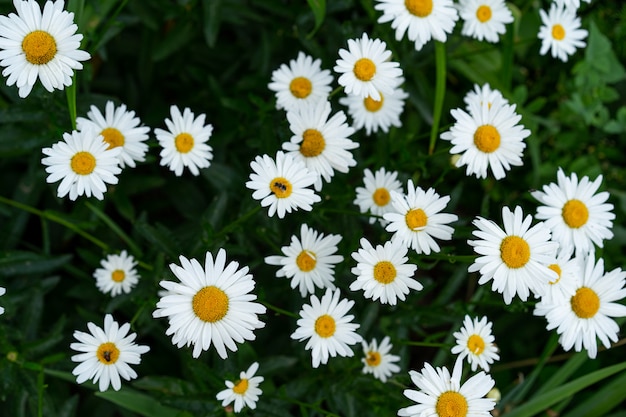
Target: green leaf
point(601, 57)
point(212, 16)
point(138, 402)
point(603, 400)
point(27, 263)
point(319, 11)
point(565, 371)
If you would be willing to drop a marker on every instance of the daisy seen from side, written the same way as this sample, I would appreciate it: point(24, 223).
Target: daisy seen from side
point(560, 32)
point(378, 361)
point(567, 270)
point(375, 196)
point(484, 19)
point(117, 275)
point(476, 343)
point(244, 392)
point(483, 94)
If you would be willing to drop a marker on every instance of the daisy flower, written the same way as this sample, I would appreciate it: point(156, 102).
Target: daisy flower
point(2, 292)
point(327, 327)
point(442, 395)
point(482, 95)
point(375, 197)
point(417, 218)
point(36, 44)
point(303, 81)
point(383, 272)
point(377, 359)
point(420, 19)
point(567, 269)
point(117, 275)
point(321, 143)
point(185, 142)
point(83, 163)
point(119, 128)
point(575, 212)
point(560, 32)
point(366, 69)
point(484, 19)
point(281, 184)
point(210, 305)
point(476, 343)
point(488, 136)
point(582, 318)
point(309, 261)
point(105, 355)
point(244, 392)
point(514, 258)
point(575, 4)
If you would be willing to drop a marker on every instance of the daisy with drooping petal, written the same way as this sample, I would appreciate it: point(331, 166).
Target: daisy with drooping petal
point(366, 69)
point(303, 81)
point(2, 292)
point(567, 269)
point(572, 4)
point(440, 394)
point(378, 361)
point(327, 327)
point(244, 392)
point(323, 144)
point(560, 32)
point(282, 184)
point(484, 94)
point(211, 305)
point(119, 127)
point(484, 19)
point(421, 20)
point(417, 220)
point(476, 343)
point(117, 275)
point(106, 354)
point(36, 44)
point(375, 197)
point(185, 142)
point(515, 258)
point(584, 317)
point(575, 212)
point(83, 163)
point(383, 272)
point(488, 136)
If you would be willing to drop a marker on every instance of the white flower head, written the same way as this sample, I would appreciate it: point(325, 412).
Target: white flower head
point(484, 19)
point(567, 270)
point(378, 361)
point(2, 292)
point(244, 392)
point(375, 197)
point(572, 4)
point(117, 275)
point(484, 94)
point(560, 32)
point(476, 343)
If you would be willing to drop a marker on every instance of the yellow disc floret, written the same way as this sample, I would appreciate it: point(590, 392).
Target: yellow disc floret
point(514, 251)
point(281, 187)
point(487, 138)
point(325, 326)
point(585, 303)
point(483, 13)
point(451, 404)
point(39, 47)
point(83, 163)
point(300, 87)
point(575, 213)
point(108, 353)
point(113, 137)
point(313, 143)
point(183, 142)
point(419, 8)
point(210, 304)
point(416, 219)
point(385, 272)
point(364, 69)
point(306, 261)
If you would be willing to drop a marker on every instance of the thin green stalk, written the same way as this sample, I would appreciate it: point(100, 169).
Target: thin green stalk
point(424, 344)
point(440, 92)
point(507, 59)
point(335, 91)
point(114, 227)
point(40, 389)
point(311, 406)
point(279, 310)
point(70, 93)
point(232, 226)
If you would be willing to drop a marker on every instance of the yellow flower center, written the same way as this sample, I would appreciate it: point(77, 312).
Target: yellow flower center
point(372, 105)
point(118, 275)
point(487, 138)
point(281, 187)
point(384, 272)
point(306, 261)
point(558, 32)
point(476, 344)
point(585, 303)
point(575, 213)
point(108, 353)
point(373, 358)
point(451, 404)
point(83, 163)
point(364, 69)
point(381, 197)
point(183, 142)
point(416, 219)
point(113, 137)
point(313, 143)
point(483, 13)
point(514, 251)
point(419, 8)
point(300, 87)
point(210, 304)
point(325, 326)
point(39, 47)
point(556, 268)
point(241, 387)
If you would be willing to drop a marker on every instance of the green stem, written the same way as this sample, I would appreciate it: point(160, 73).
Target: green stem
point(232, 226)
point(440, 92)
point(280, 310)
point(40, 388)
point(70, 93)
point(335, 91)
point(311, 406)
point(114, 227)
point(507, 59)
point(424, 344)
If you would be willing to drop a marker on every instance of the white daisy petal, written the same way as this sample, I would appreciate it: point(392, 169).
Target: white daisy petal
point(244, 391)
point(117, 275)
point(560, 32)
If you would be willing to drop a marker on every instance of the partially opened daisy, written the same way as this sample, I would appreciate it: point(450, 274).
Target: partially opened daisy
point(185, 142)
point(309, 261)
point(302, 81)
point(328, 327)
point(244, 392)
point(282, 184)
point(211, 305)
point(119, 128)
point(568, 271)
point(421, 20)
point(440, 394)
point(489, 136)
point(84, 164)
point(383, 272)
point(515, 258)
point(560, 32)
point(417, 219)
point(117, 275)
point(484, 19)
point(323, 144)
point(366, 69)
point(476, 343)
point(570, 3)
point(378, 361)
point(375, 197)
point(36, 44)
point(483, 94)
point(105, 354)
point(2, 292)
point(576, 213)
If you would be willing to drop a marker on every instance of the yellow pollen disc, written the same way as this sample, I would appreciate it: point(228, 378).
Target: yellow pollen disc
point(585, 303)
point(306, 261)
point(514, 251)
point(108, 353)
point(39, 47)
point(558, 32)
point(372, 105)
point(300, 87)
point(83, 163)
point(419, 8)
point(118, 275)
point(210, 304)
point(373, 358)
point(183, 142)
point(241, 387)
point(558, 271)
point(313, 143)
point(487, 138)
point(325, 326)
point(575, 213)
point(483, 13)
point(113, 137)
point(281, 187)
point(381, 197)
point(384, 272)
point(416, 219)
point(451, 404)
point(476, 344)
point(364, 69)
